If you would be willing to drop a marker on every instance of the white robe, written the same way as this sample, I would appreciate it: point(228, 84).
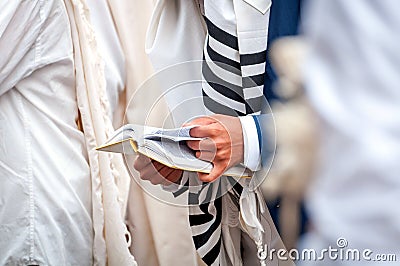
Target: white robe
point(50, 69)
point(45, 185)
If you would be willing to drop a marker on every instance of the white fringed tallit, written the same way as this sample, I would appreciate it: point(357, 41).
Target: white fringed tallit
point(110, 180)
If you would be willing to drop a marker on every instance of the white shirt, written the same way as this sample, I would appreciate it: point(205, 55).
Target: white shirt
point(251, 150)
point(45, 189)
point(352, 78)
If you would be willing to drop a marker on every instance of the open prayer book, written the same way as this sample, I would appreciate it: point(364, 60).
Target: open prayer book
point(167, 146)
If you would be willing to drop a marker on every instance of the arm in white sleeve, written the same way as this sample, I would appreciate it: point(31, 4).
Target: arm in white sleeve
point(251, 156)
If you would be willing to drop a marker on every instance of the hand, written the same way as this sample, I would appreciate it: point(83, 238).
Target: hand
point(223, 146)
point(156, 172)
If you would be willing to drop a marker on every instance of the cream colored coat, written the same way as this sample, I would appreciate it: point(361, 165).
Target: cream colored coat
point(160, 232)
point(108, 174)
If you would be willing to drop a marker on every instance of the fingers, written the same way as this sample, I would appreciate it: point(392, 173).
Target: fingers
point(158, 166)
point(174, 176)
point(206, 131)
point(205, 156)
point(170, 175)
point(226, 135)
point(156, 172)
point(202, 145)
point(161, 176)
point(215, 173)
point(201, 121)
point(165, 171)
point(202, 131)
point(151, 174)
point(141, 162)
point(193, 144)
point(205, 149)
point(158, 180)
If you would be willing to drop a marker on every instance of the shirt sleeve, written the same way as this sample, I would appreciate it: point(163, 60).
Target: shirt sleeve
point(19, 31)
point(251, 143)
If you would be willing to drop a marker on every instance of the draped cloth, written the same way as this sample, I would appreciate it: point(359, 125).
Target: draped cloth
point(109, 178)
point(151, 232)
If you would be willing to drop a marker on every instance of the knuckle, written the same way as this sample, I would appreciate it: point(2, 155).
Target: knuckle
point(156, 179)
point(215, 132)
point(208, 178)
point(219, 145)
point(196, 145)
point(224, 153)
point(203, 144)
point(152, 181)
point(143, 176)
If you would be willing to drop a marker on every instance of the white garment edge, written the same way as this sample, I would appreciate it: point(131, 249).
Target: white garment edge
point(251, 156)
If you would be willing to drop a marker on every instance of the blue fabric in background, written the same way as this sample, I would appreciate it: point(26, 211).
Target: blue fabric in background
point(284, 21)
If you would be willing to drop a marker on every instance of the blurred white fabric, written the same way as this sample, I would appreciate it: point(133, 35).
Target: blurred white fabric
point(352, 79)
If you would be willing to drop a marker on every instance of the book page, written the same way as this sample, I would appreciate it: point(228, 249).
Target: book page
point(175, 134)
point(166, 146)
point(178, 154)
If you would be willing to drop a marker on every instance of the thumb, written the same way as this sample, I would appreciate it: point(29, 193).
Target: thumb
point(216, 172)
point(201, 121)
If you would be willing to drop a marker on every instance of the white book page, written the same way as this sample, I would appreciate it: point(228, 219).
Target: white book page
point(175, 134)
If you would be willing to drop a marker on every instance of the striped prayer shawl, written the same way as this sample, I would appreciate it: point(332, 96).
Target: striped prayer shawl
point(233, 80)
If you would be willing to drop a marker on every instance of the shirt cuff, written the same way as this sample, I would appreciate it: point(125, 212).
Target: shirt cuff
point(251, 150)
